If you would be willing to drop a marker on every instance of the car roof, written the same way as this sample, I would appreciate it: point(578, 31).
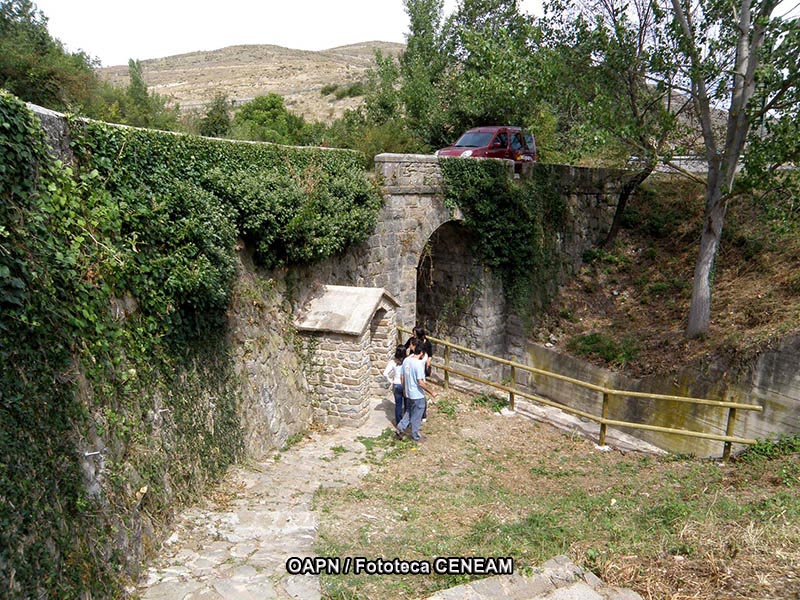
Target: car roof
point(492, 128)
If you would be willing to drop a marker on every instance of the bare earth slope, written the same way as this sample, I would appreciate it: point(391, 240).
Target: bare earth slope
point(244, 72)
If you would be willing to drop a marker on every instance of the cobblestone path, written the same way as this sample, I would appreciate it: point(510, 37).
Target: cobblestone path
point(235, 544)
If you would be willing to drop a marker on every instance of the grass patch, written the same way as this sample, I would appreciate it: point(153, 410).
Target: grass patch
point(493, 402)
point(480, 486)
point(447, 406)
point(783, 446)
point(292, 440)
point(605, 347)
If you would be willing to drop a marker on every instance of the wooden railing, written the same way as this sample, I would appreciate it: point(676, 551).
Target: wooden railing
point(513, 391)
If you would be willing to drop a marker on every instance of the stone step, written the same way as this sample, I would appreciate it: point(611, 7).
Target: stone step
point(557, 579)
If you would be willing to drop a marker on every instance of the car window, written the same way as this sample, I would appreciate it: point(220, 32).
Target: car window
point(516, 142)
point(474, 140)
point(529, 141)
point(501, 139)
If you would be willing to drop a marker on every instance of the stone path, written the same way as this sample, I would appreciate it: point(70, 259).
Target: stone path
point(237, 549)
point(235, 545)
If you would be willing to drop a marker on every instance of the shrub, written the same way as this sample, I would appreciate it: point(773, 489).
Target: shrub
point(517, 223)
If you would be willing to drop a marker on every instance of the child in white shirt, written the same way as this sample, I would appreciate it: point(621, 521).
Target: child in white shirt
point(392, 374)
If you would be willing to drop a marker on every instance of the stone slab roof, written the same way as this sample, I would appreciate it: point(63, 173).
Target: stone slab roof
point(342, 309)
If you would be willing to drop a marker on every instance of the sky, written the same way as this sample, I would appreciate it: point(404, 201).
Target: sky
point(115, 30)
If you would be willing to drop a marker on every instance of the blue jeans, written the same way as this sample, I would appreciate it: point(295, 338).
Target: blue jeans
point(412, 416)
point(399, 409)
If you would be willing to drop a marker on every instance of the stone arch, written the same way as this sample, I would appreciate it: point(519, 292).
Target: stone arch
point(458, 296)
point(420, 223)
point(449, 281)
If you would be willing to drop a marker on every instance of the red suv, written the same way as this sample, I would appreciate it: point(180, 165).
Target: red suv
point(512, 143)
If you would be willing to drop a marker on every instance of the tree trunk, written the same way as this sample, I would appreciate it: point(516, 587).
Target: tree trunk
point(700, 309)
point(627, 190)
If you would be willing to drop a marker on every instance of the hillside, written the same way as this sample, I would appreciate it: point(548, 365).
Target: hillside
point(244, 72)
point(627, 307)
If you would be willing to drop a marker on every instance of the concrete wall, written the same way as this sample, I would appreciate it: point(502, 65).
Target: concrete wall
point(772, 381)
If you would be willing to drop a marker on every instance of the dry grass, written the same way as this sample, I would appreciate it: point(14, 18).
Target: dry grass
point(486, 485)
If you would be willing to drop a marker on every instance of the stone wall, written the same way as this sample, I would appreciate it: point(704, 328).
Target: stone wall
point(276, 395)
point(413, 209)
point(412, 223)
point(341, 379)
point(590, 197)
point(460, 299)
point(383, 330)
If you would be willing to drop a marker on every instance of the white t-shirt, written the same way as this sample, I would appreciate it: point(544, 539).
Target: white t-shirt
point(392, 372)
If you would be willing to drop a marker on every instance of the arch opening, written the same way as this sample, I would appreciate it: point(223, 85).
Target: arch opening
point(458, 297)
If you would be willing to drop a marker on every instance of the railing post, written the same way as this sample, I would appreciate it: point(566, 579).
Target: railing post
point(726, 451)
point(513, 386)
point(604, 416)
point(399, 337)
point(447, 364)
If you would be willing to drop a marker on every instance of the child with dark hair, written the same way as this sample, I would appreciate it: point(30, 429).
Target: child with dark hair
point(421, 337)
point(392, 373)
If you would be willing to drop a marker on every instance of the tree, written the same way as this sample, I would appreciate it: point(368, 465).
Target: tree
point(734, 63)
point(382, 102)
point(492, 78)
point(142, 108)
point(473, 68)
point(217, 121)
point(265, 119)
point(744, 57)
point(35, 66)
point(423, 65)
point(612, 49)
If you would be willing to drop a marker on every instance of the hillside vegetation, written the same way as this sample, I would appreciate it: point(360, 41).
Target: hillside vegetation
point(627, 307)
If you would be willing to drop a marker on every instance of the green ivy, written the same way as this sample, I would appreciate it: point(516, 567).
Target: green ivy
point(115, 277)
point(517, 222)
point(46, 304)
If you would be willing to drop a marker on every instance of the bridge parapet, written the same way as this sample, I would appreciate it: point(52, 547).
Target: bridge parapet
point(409, 173)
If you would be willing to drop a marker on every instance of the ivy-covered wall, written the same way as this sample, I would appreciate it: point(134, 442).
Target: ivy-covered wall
point(517, 224)
point(121, 387)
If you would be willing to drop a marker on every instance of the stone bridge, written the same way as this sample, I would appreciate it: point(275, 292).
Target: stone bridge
point(425, 257)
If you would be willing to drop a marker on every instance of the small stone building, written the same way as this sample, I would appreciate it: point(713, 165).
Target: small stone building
point(349, 335)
